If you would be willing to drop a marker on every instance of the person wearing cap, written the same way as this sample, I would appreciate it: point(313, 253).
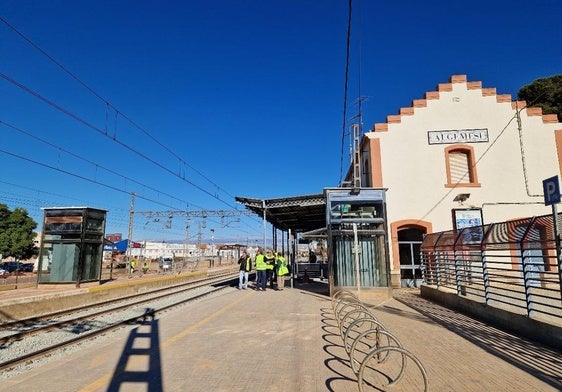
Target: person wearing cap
point(245, 267)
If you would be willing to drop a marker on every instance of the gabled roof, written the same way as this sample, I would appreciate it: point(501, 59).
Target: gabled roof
point(444, 87)
point(298, 213)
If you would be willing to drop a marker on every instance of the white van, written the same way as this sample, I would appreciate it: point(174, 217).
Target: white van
point(166, 263)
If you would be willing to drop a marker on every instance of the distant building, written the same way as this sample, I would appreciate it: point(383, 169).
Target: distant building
point(154, 249)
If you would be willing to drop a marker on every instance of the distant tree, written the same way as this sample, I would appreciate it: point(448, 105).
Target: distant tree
point(545, 93)
point(16, 233)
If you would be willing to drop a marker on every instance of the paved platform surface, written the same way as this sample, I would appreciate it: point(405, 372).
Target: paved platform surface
point(244, 340)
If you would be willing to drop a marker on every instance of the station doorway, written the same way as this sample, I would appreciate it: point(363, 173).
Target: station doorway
point(409, 245)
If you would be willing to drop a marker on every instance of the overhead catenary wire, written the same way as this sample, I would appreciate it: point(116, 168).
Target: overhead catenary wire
point(345, 88)
point(35, 204)
point(111, 187)
point(39, 204)
point(110, 219)
point(360, 98)
point(90, 180)
point(95, 164)
point(114, 138)
point(108, 105)
point(39, 191)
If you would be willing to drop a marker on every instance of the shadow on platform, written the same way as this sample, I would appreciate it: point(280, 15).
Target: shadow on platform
point(538, 360)
point(140, 365)
point(338, 360)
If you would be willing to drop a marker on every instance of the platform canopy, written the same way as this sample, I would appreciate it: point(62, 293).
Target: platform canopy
point(298, 213)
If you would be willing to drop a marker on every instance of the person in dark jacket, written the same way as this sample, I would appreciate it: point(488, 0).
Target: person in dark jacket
point(271, 276)
point(261, 267)
point(245, 267)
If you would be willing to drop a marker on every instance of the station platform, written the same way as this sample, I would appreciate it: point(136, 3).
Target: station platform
point(278, 341)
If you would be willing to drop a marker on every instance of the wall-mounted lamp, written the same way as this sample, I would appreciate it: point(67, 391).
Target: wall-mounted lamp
point(461, 197)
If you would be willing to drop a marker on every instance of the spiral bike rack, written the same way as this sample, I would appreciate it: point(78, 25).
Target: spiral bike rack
point(367, 336)
point(345, 302)
point(351, 311)
point(373, 326)
point(370, 345)
point(404, 354)
point(354, 315)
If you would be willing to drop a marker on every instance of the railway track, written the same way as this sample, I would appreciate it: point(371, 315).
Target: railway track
point(24, 342)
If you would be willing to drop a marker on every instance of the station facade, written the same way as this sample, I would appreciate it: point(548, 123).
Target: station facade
point(463, 155)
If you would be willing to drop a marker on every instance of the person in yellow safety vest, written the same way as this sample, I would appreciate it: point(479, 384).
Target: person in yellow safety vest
point(282, 271)
point(270, 267)
point(245, 267)
point(132, 266)
point(261, 267)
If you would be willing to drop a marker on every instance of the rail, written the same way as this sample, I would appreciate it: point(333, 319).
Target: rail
point(24, 341)
point(376, 356)
point(513, 266)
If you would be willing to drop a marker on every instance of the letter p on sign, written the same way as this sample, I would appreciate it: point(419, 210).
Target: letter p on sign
point(551, 190)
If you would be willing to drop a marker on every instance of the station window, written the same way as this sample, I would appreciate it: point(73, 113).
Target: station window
point(366, 177)
point(354, 211)
point(461, 169)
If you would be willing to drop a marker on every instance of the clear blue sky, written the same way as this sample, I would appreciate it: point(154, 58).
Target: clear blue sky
point(191, 103)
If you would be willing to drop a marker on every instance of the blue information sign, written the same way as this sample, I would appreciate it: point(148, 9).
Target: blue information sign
point(551, 190)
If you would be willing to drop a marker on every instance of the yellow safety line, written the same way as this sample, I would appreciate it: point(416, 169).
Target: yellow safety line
point(104, 380)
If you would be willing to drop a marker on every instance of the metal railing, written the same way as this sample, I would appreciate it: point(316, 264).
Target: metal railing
point(376, 356)
point(511, 265)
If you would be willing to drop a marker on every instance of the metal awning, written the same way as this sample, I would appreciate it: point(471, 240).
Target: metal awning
point(298, 213)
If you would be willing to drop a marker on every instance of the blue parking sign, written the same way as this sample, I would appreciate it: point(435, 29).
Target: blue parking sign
point(551, 190)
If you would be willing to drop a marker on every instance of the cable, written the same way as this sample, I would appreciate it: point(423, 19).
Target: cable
point(516, 116)
point(475, 164)
point(97, 165)
point(106, 102)
point(38, 205)
point(360, 53)
point(39, 190)
point(92, 181)
point(83, 178)
point(173, 153)
point(114, 139)
point(345, 87)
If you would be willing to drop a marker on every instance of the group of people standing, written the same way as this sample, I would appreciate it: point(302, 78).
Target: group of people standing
point(270, 267)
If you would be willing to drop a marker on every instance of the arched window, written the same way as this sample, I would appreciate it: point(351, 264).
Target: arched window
point(461, 171)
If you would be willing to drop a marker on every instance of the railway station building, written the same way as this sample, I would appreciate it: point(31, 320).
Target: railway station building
point(460, 156)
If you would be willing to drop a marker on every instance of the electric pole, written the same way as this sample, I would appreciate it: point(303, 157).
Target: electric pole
point(131, 222)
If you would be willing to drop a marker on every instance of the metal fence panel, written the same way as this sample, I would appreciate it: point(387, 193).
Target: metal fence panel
point(511, 265)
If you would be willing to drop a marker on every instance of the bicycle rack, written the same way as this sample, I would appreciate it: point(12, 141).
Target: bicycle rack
point(370, 345)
